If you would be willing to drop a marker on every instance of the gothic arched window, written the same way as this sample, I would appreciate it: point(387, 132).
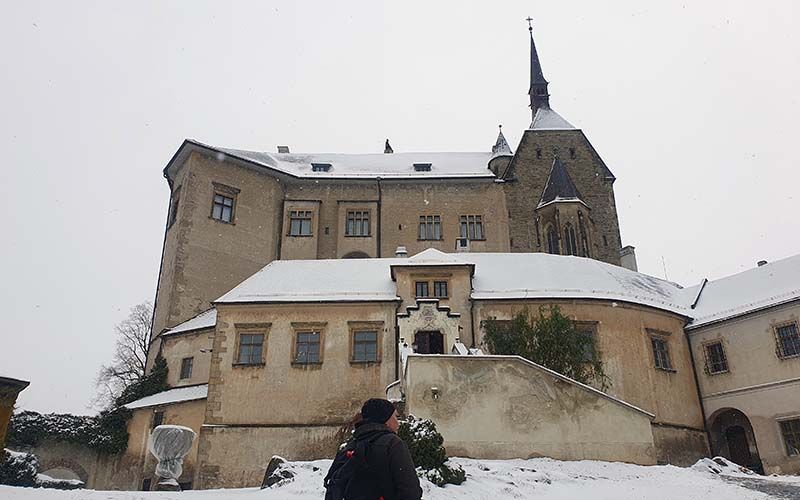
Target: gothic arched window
point(570, 241)
point(552, 240)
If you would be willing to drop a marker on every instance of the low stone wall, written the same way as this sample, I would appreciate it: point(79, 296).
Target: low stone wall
point(499, 407)
point(237, 456)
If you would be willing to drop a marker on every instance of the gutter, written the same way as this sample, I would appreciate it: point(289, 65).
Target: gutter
point(697, 386)
point(380, 198)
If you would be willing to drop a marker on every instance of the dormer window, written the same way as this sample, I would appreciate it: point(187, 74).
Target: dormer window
point(422, 167)
point(321, 167)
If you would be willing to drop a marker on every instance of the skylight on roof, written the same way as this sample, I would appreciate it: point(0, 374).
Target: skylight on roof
point(422, 167)
point(320, 167)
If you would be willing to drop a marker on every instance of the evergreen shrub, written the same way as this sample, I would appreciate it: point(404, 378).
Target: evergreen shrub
point(430, 457)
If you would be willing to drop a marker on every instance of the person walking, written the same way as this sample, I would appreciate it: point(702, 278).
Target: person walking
point(375, 463)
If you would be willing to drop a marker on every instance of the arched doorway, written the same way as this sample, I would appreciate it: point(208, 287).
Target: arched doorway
point(732, 437)
point(355, 255)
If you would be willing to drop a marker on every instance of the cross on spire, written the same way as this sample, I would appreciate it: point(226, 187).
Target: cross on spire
point(540, 97)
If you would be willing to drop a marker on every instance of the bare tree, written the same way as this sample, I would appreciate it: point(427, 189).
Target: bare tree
point(130, 356)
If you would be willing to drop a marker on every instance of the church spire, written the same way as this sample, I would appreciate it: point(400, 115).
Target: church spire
point(540, 98)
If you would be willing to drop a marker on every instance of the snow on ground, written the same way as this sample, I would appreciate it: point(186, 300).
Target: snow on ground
point(540, 478)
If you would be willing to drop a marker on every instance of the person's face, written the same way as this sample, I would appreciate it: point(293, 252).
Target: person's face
point(392, 423)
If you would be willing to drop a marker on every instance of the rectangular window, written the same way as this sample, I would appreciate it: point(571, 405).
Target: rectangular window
point(300, 223)
point(357, 223)
point(320, 167)
point(790, 429)
point(158, 418)
point(422, 167)
point(222, 209)
point(146, 484)
point(661, 353)
point(440, 289)
point(788, 340)
point(251, 347)
point(715, 358)
point(430, 227)
point(307, 348)
point(588, 330)
point(471, 226)
point(173, 208)
point(186, 368)
point(421, 289)
point(365, 346)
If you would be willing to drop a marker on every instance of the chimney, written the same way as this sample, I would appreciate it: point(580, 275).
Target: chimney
point(401, 252)
point(762, 263)
point(627, 258)
point(283, 149)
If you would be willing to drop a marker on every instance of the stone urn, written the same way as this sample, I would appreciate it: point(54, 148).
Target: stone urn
point(169, 444)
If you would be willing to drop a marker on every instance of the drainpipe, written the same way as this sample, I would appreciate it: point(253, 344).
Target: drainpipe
point(472, 320)
point(280, 227)
point(378, 228)
point(397, 342)
point(697, 387)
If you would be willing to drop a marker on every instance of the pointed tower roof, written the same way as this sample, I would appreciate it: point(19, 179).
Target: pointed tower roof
point(501, 147)
point(559, 186)
point(548, 119)
point(538, 92)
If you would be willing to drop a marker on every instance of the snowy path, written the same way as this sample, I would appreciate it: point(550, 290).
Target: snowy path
point(541, 478)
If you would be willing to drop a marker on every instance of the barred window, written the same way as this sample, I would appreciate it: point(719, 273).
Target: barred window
point(307, 348)
point(357, 223)
point(661, 353)
point(440, 289)
point(716, 362)
point(790, 429)
point(422, 289)
point(471, 227)
point(251, 346)
point(186, 368)
point(300, 223)
point(788, 340)
point(430, 227)
point(222, 209)
point(365, 346)
point(570, 241)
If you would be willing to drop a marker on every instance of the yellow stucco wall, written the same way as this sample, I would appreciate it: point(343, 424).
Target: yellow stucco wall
point(197, 345)
point(758, 383)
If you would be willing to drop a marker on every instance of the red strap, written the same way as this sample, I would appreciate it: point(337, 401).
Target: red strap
point(349, 454)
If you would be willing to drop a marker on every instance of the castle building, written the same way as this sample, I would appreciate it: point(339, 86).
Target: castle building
point(294, 286)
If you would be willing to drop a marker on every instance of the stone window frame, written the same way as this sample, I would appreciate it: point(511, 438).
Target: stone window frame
point(251, 329)
point(591, 328)
point(707, 361)
point(174, 203)
point(298, 210)
point(230, 192)
point(417, 284)
point(368, 212)
point(792, 421)
point(157, 418)
point(476, 223)
point(184, 369)
point(446, 288)
point(779, 352)
point(430, 227)
point(366, 326)
point(552, 243)
point(660, 336)
point(430, 282)
point(570, 240)
point(306, 327)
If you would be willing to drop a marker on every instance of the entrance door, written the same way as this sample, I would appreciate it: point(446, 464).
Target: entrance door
point(429, 342)
point(737, 445)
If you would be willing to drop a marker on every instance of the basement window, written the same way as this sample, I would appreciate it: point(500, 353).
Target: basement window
point(321, 167)
point(422, 167)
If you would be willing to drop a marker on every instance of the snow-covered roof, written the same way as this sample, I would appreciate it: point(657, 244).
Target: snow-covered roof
point(765, 286)
point(467, 165)
point(547, 119)
point(171, 396)
point(360, 280)
point(206, 319)
point(496, 276)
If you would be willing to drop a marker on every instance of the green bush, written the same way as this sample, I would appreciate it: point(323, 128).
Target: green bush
point(18, 469)
point(106, 432)
point(425, 444)
point(152, 383)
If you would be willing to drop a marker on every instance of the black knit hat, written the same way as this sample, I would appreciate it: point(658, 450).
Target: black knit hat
point(377, 410)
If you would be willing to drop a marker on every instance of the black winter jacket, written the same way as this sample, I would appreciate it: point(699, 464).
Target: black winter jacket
point(391, 472)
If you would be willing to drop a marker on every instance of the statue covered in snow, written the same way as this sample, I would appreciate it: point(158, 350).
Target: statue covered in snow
point(169, 444)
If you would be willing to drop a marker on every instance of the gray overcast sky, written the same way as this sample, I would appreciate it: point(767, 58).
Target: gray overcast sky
point(693, 105)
